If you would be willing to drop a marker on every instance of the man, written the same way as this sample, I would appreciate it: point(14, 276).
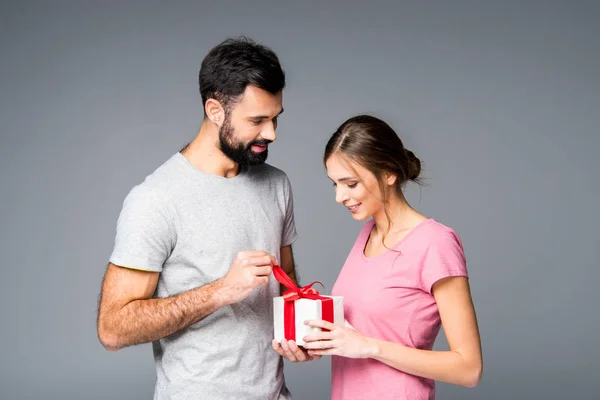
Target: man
point(196, 242)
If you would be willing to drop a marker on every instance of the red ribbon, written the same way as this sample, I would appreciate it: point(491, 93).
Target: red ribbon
point(294, 293)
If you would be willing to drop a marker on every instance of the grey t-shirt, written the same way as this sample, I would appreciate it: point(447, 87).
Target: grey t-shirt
point(189, 225)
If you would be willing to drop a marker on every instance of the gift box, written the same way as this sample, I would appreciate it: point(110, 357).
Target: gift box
point(301, 304)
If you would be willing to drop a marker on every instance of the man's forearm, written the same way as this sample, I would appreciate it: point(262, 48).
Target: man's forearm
point(142, 321)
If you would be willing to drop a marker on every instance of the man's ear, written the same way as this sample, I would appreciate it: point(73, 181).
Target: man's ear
point(214, 111)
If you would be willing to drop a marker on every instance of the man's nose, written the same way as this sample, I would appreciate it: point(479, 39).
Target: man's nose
point(269, 132)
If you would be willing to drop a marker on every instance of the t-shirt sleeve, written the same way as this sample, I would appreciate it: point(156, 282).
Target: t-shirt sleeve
point(289, 235)
point(144, 235)
point(444, 257)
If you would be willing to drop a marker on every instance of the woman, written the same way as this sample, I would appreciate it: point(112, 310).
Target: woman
point(404, 277)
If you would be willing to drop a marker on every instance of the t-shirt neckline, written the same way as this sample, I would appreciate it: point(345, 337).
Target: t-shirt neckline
point(394, 249)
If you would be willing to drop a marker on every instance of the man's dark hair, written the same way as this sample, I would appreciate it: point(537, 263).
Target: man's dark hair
point(236, 63)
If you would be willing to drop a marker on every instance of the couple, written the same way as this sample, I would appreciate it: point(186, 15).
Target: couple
point(197, 239)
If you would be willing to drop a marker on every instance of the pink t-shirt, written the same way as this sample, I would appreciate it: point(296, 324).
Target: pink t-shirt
point(388, 297)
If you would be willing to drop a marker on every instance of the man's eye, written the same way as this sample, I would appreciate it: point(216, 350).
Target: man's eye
point(275, 121)
point(257, 122)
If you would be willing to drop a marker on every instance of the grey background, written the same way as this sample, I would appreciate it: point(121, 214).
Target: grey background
point(500, 100)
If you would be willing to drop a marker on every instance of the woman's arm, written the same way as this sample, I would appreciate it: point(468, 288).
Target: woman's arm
point(461, 365)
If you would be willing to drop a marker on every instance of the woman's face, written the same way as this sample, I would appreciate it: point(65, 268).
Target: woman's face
point(355, 187)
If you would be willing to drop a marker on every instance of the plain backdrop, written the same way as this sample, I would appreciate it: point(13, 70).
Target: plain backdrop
point(500, 100)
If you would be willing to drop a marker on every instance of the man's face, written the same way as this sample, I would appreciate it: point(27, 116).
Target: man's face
point(249, 126)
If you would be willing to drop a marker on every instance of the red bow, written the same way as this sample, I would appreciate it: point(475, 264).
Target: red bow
point(294, 293)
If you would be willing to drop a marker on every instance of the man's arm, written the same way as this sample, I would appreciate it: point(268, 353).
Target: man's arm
point(127, 315)
point(287, 265)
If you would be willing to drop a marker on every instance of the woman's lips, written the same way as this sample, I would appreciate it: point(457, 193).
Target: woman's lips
point(353, 208)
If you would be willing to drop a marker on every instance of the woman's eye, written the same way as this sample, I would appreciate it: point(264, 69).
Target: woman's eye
point(352, 185)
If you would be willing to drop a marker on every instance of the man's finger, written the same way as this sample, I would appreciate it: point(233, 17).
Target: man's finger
point(260, 261)
point(288, 353)
point(264, 270)
point(298, 353)
point(261, 280)
point(277, 347)
point(252, 253)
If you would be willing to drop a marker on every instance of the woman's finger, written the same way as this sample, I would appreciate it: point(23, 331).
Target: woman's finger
point(317, 323)
point(317, 336)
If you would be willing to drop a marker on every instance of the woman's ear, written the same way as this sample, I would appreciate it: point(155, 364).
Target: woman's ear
point(391, 179)
point(215, 111)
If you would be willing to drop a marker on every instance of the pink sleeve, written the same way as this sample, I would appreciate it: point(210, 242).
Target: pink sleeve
point(443, 258)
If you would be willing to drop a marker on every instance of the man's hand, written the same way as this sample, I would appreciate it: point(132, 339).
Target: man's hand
point(290, 350)
point(249, 270)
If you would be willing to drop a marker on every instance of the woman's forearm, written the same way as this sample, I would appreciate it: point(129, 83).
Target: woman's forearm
point(445, 366)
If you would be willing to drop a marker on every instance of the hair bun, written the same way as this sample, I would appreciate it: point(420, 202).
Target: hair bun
point(414, 165)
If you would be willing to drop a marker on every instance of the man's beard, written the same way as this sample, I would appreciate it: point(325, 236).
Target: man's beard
point(239, 152)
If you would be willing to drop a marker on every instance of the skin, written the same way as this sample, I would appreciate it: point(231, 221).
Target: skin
point(357, 189)
point(127, 313)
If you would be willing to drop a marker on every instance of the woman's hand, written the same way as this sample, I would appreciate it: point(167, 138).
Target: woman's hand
point(338, 340)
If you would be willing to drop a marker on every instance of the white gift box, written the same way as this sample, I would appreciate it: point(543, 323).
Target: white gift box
point(305, 309)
